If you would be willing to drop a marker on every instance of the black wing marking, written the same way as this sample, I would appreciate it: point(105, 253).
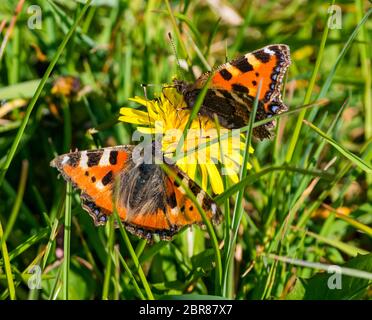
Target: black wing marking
point(231, 108)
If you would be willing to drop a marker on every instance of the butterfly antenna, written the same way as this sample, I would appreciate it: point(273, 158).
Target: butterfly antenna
point(176, 55)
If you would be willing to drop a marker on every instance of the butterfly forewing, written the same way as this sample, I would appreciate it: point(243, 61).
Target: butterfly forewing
point(94, 172)
point(234, 87)
point(243, 74)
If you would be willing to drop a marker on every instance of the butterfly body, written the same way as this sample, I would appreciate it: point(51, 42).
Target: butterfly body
point(147, 200)
point(234, 85)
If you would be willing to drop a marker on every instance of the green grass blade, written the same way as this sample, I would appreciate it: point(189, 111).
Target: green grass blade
point(356, 224)
point(310, 88)
point(314, 158)
point(347, 45)
point(255, 125)
point(192, 27)
point(255, 177)
point(140, 247)
point(27, 244)
point(321, 266)
point(36, 96)
point(18, 201)
point(67, 241)
point(52, 232)
point(56, 288)
point(365, 61)
point(131, 276)
point(238, 208)
point(134, 257)
point(352, 157)
point(229, 291)
point(7, 266)
point(177, 31)
point(344, 247)
point(227, 215)
point(207, 223)
point(66, 22)
point(193, 114)
point(19, 90)
point(108, 269)
point(366, 65)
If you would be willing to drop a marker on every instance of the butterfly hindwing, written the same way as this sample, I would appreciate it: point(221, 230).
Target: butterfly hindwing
point(232, 109)
point(182, 211)
point(156, 204)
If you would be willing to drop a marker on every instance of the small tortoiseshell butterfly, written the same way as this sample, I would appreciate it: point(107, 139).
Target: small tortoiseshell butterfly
point(234, 85)
point(147, 200)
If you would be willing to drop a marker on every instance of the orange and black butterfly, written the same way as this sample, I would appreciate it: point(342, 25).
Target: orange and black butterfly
point(147, 200)
point(233, 88)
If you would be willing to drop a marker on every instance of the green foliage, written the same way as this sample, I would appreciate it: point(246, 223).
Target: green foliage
point(349, 287)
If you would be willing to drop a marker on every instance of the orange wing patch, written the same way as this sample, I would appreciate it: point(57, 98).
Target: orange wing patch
point(94, 172)
point(244, 74)
point(181, 210)
point(151, 220)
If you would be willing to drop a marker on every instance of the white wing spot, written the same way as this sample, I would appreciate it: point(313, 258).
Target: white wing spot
point(200, 197)
point(175, 211)
point(185, 182)
point(84, 160)
point(99, 185)
point(65, 160)
point(268, 51)
point(237, 98)
point(213, 208)
point(105, 158)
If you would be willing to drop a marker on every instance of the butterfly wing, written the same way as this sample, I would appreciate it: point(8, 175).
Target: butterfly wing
point(181, 210)
point(243, 75)
point(231, 108)
point(94, 172)
point(146, 199)
point(156, 204)
point(234, 86)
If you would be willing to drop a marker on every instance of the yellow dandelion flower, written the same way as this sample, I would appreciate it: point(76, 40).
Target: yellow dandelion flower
point(201, 150)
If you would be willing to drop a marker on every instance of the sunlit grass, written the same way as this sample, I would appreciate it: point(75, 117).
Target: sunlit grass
point(275, 229)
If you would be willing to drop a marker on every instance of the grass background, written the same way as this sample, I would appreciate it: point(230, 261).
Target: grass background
point(307, 197)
